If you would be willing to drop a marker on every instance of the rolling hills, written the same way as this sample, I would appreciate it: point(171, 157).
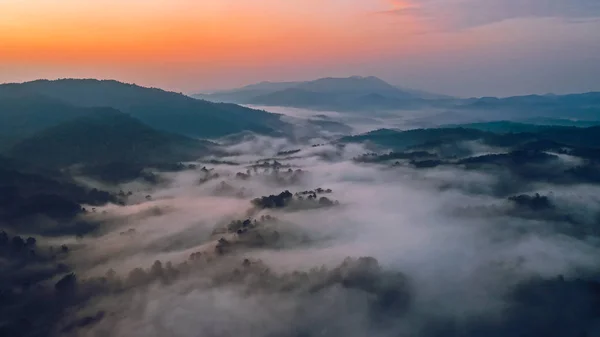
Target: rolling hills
point(163, 110)
point(103, 136)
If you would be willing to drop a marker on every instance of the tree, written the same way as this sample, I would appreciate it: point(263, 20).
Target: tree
point(67, 283)
point(31, 241)
point(157, 269)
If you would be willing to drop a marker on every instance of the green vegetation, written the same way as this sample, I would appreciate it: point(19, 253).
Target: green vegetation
point(157, 108)
point(104, 136)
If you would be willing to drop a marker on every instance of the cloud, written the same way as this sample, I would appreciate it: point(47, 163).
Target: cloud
point(463, 14)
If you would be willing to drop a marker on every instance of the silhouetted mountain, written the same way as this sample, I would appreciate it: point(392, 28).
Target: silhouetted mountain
point(354, 85)
point(581, 106)
point(370, 93)
point(157, 108)
point(295, 97)
point(246, 93)
point(104, 136)
point(344, 94)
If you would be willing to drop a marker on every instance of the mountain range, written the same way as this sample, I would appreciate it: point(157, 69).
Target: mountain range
point(349, 93)
point(371, 94)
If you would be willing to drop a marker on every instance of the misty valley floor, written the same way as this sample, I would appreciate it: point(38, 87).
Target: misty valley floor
point(271, 238)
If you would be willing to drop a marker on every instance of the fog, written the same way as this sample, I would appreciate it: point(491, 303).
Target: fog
point(449, 252)
point(365, 121)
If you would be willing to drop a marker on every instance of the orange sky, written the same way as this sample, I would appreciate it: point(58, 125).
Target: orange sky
point(218, 31)
point(205, 44)
point(210, 37)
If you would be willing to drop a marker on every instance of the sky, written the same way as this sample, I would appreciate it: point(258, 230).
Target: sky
point(458, 47)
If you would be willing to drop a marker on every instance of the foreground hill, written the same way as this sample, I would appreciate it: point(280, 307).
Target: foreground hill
point(157, 108)
point(42, 200)
point(22, 116)
point(106, 135)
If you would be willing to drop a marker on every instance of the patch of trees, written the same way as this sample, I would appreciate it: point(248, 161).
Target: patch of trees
point(225, 189)
point(222, 162)
point(536, 202)
point(283, 177)
point(24, 183)
point(570, 304)
point(539, 139)
point(35, 200)
point(422, 164)
point(386, 293)
point(118, 172)
point(54, 206)
point(314, 192)
point(207, 175)
point(299, 200)
point(588, 172)
point(274, 201)
point(287, 153)
point(510, 158)
point(242, 226)
point(378, 158)
point(31, 300)
point(268, 164)
point(41, 213)
point(129, 232)
point(243, 176)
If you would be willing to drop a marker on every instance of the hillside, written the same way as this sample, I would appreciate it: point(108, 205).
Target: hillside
point(532, 136)
point(534, 125)
point(245, 93)
point(354, 85)
point(103, 136)
point(405, 139)
point(23, 115)
point(294, 97)
point(157, 108)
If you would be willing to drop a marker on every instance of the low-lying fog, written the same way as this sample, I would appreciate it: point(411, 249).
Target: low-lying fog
point(449, 255)
point(362, 121)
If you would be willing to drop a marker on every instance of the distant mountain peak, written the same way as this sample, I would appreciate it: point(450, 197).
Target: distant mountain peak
point(331, 93)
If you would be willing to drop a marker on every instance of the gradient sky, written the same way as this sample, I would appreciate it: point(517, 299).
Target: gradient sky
point(457, 47)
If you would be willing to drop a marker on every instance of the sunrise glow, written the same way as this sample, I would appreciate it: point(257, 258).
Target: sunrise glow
point(220, 43)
